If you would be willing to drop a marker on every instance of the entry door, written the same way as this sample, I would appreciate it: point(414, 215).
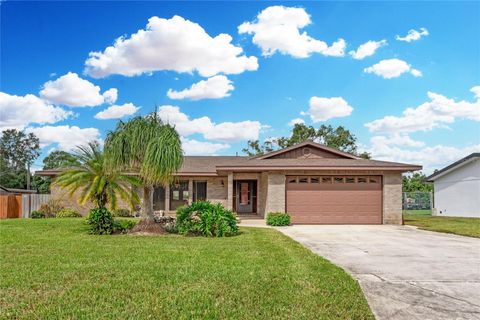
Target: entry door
point(244, 197)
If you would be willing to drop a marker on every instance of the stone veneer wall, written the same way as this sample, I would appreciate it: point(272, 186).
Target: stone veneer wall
point(392, 198)
point(275, 201)
point(72, 201)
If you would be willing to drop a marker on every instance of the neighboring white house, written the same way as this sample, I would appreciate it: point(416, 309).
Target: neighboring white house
point(457, 188)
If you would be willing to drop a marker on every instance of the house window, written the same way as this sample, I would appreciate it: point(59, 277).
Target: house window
point(361, 180)
point(326, 179)
point(303, 180)
point(292, 180)
point(338, 180)
point(158, 198)
point(373, 180)
point(199, 190)
point(178, 194)
point(349, 180)
point(314, 180)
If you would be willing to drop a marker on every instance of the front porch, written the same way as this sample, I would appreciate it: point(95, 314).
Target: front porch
point(249, 195)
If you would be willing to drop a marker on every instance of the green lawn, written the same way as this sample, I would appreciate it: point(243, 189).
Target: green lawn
point(461, 226)
point(51, 268)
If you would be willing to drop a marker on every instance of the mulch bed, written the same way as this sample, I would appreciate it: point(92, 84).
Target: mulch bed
point(148, 227)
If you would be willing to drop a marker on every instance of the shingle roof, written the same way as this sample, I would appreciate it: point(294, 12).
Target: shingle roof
point(210, 165)
point(452, 166)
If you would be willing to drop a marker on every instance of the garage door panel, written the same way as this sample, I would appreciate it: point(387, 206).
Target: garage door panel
point(347, 203)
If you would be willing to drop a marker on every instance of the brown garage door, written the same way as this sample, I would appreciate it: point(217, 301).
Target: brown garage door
point(335, 199)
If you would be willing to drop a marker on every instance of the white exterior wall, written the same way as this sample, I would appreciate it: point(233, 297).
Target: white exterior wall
point(457, 193)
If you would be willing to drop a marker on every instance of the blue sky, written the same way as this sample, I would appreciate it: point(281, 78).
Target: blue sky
point(283, 65)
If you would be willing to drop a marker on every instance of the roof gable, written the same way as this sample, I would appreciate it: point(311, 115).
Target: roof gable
point(307, 150)
point(454, 166)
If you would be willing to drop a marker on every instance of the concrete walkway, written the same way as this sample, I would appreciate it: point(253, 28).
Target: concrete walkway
point(404, 272)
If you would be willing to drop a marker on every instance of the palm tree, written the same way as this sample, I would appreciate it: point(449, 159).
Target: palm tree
point(96, 182)
point(148, 147)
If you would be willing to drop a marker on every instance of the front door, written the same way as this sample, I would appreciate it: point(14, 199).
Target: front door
point(245, 196)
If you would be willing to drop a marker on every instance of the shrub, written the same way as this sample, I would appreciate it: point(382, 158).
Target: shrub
point(51, 208)
point(207, 219)
point(122, 213)
point(278, 219)
point(123, 225)
point(100, 221)
point(37, 215)
point(68, 213)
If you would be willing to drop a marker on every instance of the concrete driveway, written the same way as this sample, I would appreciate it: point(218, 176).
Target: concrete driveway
point(405, 273)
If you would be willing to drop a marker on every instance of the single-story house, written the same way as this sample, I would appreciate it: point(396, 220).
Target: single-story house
point(457, 188)
point(313, 183)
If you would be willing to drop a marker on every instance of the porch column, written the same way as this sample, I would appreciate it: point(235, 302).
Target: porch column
point(167, 198)
point(190, 191)
point(230, 191)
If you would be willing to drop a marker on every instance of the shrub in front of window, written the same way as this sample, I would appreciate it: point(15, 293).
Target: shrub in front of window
point(68, 213)
point(100, 221)
point(206, 219)
point(278, 219)
point(37, 215)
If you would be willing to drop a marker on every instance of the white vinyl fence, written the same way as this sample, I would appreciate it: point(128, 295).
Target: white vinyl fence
point(32, 202)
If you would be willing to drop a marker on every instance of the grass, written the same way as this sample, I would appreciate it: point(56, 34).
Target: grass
point(456, 225)
point(51, 268)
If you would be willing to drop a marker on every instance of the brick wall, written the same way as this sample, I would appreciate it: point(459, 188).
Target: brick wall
point(392, 198)
point(275, 201)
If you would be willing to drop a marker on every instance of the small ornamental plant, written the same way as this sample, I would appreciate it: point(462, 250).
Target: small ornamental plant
point(278, 219)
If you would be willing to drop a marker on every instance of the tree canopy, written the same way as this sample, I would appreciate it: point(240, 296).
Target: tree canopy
point(148, 147)
point(416, 183)
point(95, 181)
point(18, 150)
point(338, 138)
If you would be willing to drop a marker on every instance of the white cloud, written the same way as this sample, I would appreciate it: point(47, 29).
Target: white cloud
point(194, 147)
point(116, 112)
point(367, 49)
point(224, 131)
point(392, 68)
point(476, 91)
point(430, 157)
point(413, 35)
point(67, 137)
point(439, 111)
point(322, 109)
point(110, 96)
point(215, 87)
point(19, 111)
point(73, 91)
point(296, 121)
point(173, 44)
point(396, 140)
point(277, 29)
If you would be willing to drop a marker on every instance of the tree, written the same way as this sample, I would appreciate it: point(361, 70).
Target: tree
point(149, 148)
point(416, 183)
point(338, 138)
point(55, 160)
point(96, 181)
point(18, 150)
point(59, 159)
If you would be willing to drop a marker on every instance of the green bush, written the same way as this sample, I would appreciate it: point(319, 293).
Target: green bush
point(122, 213)
point(123, 225)
point(68, 213)
point(207, 219)
point(37, 215)
point(278, 219)
point(51, 208)
point(100, 221)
